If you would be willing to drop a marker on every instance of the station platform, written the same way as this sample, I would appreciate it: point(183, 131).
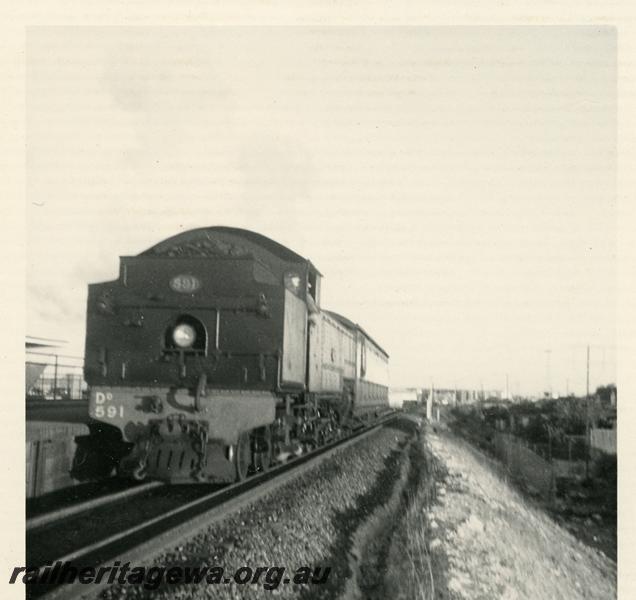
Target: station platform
point(57, 411)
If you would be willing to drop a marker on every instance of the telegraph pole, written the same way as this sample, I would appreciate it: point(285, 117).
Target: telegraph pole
point(587, 414)
point(547, 372)
point(55, 380)
point(587, 375)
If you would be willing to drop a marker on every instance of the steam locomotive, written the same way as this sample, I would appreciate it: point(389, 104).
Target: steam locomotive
point(210, 358)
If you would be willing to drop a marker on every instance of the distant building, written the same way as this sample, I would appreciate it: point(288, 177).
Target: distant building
point(442, 396)
point(398, 396)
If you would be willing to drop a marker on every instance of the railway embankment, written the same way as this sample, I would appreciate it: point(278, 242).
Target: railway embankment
point(455, 528)
point(491, 541)
point(586, 506)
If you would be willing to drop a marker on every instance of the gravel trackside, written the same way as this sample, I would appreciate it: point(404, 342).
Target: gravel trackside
point(308, 522)
point(495, 544)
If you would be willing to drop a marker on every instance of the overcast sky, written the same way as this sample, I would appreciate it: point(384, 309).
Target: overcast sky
point(456, 186)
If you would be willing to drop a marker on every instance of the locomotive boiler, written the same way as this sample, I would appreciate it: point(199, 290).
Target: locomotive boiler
point(210, 358)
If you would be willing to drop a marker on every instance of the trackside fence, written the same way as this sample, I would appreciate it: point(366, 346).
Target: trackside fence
point(603, 440)
point(54, 376)
point(524, 464)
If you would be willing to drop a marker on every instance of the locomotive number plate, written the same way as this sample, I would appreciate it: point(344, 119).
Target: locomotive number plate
point(103, 405)
point(185, 284)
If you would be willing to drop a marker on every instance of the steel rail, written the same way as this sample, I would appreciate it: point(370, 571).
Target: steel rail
point(75, 509)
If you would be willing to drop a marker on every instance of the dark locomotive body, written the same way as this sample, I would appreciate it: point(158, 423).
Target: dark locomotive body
point(211, 357)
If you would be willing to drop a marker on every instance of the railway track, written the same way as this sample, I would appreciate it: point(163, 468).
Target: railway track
point(100, 494)
point(136, 527)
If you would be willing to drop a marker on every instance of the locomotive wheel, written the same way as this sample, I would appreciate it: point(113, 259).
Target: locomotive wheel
point(243, 457)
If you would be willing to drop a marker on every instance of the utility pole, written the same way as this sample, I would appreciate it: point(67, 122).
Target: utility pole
point(587, 415)
point(547, 373)
point(55, 380)
point(507, 388)
point(587, 374)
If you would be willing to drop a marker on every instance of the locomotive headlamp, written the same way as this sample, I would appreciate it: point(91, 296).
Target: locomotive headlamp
point(184, 335)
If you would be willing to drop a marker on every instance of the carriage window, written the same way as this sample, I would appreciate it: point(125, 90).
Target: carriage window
point(363, 359)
